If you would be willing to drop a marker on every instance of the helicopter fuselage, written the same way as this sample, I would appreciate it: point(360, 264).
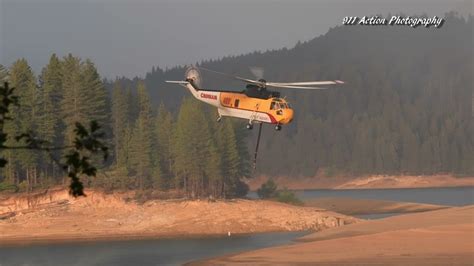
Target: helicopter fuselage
point(273, 110)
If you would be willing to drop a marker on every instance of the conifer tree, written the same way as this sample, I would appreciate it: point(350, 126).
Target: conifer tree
point(120, 124)
point(3, 73)
point(191, 148)
point(50, 126)
point(95, 94)
point(142, 155)
point(163, 138)
point(230, 158)
point(74, 102)
point(25, 117)
point(51, 85)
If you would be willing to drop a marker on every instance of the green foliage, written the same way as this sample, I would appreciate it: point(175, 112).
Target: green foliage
point(163, 140)
point(267, 190)
point(120, 125)
point(5, 186)
point(141, 153)
point(205, 155)
point(77, 161)
point(191, 146)
point(3, 73)
point(51, 88)
point(25, 116)
point(23, 186)
point(287, 196)
point(74, 101)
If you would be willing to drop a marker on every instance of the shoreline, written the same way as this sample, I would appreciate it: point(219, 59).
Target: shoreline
point(441, 237)
point(354, 206)
point(398, 187)
point(338, 206)
point(366, 182)
point(57, 217)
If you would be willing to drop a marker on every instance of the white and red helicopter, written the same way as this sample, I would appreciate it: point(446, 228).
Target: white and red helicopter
point(255, 104)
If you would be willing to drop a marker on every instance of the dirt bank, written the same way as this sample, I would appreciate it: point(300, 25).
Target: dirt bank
point(376, 181)
point(350, 206)
point(56, 216)
point(442, 237)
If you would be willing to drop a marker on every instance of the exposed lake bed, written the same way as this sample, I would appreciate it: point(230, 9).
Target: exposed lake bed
point(57, 217)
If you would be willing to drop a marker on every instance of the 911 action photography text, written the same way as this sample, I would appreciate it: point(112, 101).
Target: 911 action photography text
point(395, 21)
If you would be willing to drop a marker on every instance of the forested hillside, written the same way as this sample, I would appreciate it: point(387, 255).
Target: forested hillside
point(67, 92)
point(152, 148)
point(406, 108)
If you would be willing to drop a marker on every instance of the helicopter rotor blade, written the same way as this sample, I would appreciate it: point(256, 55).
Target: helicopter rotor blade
point(230, 76)
point(295, 87)
point(307, 83)
point(177, 82)
point(285, 85)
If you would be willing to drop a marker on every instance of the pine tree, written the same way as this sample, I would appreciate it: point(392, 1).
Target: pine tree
point(214, 173)
point(50, 126)
point(95, 94)
point(25, 117)
point(191, 148)
point(51, 84)
point(241, 137)
point(120, 124)
point(230, 158)
point(163, 137)
point(3, 73)
point(141, 155)
point(74, 102)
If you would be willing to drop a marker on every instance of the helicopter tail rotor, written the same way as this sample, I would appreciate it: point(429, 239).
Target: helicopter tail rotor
point(193, 76)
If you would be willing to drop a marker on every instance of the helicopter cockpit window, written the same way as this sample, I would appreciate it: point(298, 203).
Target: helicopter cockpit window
point(273, 106)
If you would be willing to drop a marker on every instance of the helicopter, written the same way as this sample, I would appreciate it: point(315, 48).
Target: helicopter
point(255, 103)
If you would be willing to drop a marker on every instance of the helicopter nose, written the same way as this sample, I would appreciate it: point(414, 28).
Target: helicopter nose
point(288, 116)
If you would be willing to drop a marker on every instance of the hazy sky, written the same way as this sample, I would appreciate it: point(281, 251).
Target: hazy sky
point(129, 37)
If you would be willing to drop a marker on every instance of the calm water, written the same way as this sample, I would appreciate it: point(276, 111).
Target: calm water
point(139, 252)
point(375, 216)
point(456, 196)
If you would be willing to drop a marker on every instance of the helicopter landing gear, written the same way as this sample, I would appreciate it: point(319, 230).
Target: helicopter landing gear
point(249, 126)
point(278, 127)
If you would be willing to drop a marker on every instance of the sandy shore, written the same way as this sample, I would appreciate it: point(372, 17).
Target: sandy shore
point(351, 206)
point(442, 237)
point(366, 182)
point(54, 216)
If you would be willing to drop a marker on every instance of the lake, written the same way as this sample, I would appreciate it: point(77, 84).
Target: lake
point(139, 252)
point(179, 251)
point(452, 196)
